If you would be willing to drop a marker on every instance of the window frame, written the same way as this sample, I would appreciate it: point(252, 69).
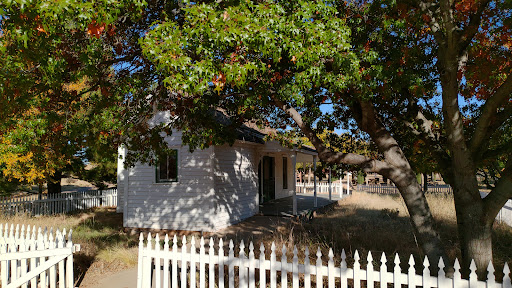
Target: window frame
point(157, 168)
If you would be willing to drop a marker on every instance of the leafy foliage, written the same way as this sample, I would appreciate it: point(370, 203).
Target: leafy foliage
point(57, 95)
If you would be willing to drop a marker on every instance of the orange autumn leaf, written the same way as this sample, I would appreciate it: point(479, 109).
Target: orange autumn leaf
point(95, 30)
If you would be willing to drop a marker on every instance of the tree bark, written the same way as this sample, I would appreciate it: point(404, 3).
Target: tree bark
point(425, 182)
point(395, 167)
point(475, 236)
point(54, 183)
point(419, 211)
point(40, 191)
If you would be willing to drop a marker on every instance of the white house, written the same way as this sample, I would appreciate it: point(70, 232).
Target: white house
point(208, 189)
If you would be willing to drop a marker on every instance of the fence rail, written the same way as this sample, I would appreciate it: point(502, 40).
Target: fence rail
point(35, 259)
point(58, 203)
point(184, 266)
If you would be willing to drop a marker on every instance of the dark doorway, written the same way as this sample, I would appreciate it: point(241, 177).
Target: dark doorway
point(269, 178)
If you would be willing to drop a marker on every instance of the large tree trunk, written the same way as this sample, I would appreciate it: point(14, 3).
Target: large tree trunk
point(395, 167)
point(54, 185)
point(475, 233)
point(420, 215)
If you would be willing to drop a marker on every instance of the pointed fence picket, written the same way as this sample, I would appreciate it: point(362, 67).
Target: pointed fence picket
point(58, 203)
point(178, 268)
point(35, 259)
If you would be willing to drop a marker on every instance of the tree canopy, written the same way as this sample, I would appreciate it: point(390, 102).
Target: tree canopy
point(407, 75)
point(427, 83)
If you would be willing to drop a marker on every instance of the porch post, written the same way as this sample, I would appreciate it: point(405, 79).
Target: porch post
point(330, 185)
point(294, 161)
point(348, 182)
point(315, 204)
point(341, 183)
point(261, 179)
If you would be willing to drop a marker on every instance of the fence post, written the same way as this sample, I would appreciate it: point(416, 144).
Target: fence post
point(411, 273)
point(307, 269)
point(165, 276)
point(231, 265)
point(241, 266)
point(506, 276)
point(369, 270)
point(221, 264)
point(284, 267)
point(252, 266)
point(201, 263)
point(141, 257)
point(330, 269)
point(397, 273)
point(263, 275)
point(156, 261)
point(211, 265)
point(426, 273)
point(383, 271)
point(357, 267)
point(69, 263)
point(193, 262)
point(174, 282)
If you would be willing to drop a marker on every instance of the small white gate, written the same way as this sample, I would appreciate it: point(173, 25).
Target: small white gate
point(36, 259)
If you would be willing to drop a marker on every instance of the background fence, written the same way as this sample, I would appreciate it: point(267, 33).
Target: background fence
point(171, 266)
point(390, 189)
point(504, 216)
point(35, 259)
point(321, 187)
point(58, 203)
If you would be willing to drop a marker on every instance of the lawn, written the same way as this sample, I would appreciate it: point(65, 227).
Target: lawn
point(380, 223)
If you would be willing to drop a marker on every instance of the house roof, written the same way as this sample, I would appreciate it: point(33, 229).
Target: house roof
point(249, 131)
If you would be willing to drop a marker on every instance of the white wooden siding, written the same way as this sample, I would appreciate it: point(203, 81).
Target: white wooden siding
point(183, 205)
point(236, 183)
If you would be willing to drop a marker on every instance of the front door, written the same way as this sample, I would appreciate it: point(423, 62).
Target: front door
point(269, 178)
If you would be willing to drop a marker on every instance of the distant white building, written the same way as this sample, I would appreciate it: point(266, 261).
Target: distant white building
point(208, 189)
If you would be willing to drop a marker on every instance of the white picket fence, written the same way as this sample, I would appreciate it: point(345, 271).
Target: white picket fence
point(35, 259)
point(390, 189)
point(322, 187)
point(184, 266)
point(58, 203)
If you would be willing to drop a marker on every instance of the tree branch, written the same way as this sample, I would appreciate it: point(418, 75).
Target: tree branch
point(324, 153)
point(504, 148)
point(500, 97)
point(433, 23)
point(386, 143)
point(501, 193)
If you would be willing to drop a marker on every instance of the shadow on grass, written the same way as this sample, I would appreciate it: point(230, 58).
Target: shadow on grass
point(367, 230)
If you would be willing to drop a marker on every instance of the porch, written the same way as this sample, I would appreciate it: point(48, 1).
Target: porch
point(279, 197)
point(305, 203)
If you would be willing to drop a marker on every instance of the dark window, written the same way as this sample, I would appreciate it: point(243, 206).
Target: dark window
point(167, 169)
point(285, 173)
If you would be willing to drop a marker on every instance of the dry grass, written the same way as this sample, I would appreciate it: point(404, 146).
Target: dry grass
point(380, 223)
point(363, 222)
